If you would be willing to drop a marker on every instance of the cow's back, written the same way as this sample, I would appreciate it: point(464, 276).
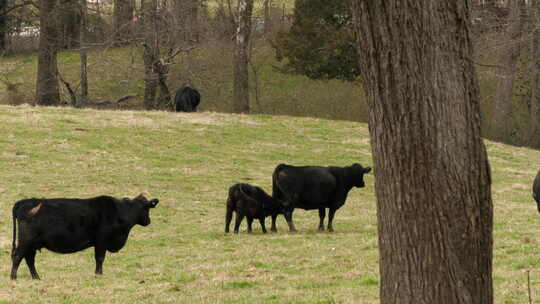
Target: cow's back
point(61, 225)
point(309, 187)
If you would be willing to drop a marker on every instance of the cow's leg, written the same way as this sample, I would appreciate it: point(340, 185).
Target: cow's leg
point(30, 261)
point(16, 258)
point(331, 213)
point(261, 220)
point(322, 214)
point(274, 218)
point(239, 218)
point(288, 218)
point(99, 254)
point(228, 219)
point(249, 222)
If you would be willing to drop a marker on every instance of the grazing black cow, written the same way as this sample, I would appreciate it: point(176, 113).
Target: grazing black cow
point(536, 190)
point(187, 99)
point(312, 187)
point(66, 225)
point(253, 203)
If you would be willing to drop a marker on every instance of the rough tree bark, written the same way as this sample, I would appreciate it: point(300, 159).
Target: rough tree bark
point(432, 177)
point(47, 72)
point(501, 124)
point(122, 15)
point(534, 121)
point(3, 25)
point(240, 57)
point(151, 53)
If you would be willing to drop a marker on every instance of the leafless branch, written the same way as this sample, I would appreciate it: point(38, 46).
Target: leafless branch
point(126, 97)
point(70, 90)
point(9, 9)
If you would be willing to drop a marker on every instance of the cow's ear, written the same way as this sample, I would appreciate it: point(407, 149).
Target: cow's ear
point(366, 170)
point(153, 203)
point(140, 197)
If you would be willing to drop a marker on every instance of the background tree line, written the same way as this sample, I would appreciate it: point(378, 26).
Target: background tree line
point(319, 44)
point(163, 30)
point(506, 35)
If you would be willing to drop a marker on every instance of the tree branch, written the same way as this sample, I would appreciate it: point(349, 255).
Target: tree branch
point(24, 3)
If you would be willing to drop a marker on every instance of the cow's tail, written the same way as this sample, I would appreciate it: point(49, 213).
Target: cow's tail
point(229, 207)
point(276, 191)
point(14, 216)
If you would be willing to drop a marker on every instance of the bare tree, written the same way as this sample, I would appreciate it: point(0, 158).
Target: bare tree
point(501, 125)
point(241, 57)
point(83, 53)
point(267, 22)
point(68, 13)
point(534, 121)
point(432, 176)
point(187, 15)
point(3, 24)
point(122, 17)
point(151, 52)
point(47, 72)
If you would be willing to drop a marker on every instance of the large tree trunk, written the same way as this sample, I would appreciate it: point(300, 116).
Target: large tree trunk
point(240, 57)
point(151, 53)
point(122, 15)
point(534, 122)
point(502, 124)
point(432, 177)
point(3, 25)
point(47, 72)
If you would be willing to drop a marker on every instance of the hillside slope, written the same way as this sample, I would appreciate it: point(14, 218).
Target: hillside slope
point(188, 161)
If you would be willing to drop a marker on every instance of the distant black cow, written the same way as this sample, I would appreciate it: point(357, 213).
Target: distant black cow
point(187, 99)
point(67, 225)
point(313, 187)
point(253, 203)
point(536, 190)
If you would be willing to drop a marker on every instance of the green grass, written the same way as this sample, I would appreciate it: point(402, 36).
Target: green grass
point(188, 162)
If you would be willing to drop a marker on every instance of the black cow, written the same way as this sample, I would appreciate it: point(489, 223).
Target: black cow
point(253, 203)
point(312, 187)
point(187, 99)
point(66, 225)
point(536, 190)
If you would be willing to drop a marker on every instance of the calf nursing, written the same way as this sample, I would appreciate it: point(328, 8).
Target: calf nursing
point(251, 202)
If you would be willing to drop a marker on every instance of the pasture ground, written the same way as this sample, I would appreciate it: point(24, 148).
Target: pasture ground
point(188, 161)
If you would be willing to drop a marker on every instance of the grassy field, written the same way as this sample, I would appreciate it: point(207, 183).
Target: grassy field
point(188, 161)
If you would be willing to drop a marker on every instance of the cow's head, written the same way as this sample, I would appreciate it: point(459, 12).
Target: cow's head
point(358, 175)
point(144, 209)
